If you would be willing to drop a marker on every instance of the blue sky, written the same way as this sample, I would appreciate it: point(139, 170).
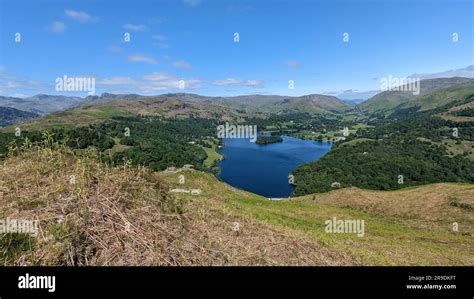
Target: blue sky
point(193, 41)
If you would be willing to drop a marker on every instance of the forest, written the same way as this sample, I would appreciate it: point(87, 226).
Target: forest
point(262, 140)
point(394, 154)
point(151, 141)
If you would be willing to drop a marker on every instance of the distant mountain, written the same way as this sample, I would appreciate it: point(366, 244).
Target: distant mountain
point(433, 93)
point(45, 104)
point(467, 72)
point(10, 116)
point(94, 112)
point(353, 101)
point(105, 97)
point(41, 104)
point(354, 94)
point(314, 103)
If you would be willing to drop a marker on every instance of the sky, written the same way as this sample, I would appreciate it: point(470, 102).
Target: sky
point(321, 46)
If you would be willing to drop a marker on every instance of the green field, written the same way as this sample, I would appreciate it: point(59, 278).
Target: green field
point(403, 240)
point(212, 156)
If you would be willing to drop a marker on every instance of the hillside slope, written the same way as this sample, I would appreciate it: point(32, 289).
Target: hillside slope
point(314, 103)
point(41, 104)
point(150, 106)
point(433, 93)
point(396, 240)
point(127, 216)
point(10, 116)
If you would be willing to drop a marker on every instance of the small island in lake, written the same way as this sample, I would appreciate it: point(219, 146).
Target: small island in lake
point(268, 139)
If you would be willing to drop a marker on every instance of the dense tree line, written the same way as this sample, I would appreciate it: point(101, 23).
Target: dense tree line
point(287, 124)
point(268, 139)
point(465, 112)
point(379, 164)
point(164, 143)
point(394, 157)
point(153, 142)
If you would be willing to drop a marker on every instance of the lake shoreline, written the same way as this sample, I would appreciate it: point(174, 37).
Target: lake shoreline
point(265, 170)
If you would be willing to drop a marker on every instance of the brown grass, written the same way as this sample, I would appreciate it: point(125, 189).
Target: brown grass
point(433, 207)
point(125, 216)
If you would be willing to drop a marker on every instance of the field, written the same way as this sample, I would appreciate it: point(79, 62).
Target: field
point(212, 156)
point(419, 232)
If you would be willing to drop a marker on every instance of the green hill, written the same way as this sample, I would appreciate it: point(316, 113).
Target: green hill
point(151, 106)
point(433, 93)
point(129, 216)
point(314, 103)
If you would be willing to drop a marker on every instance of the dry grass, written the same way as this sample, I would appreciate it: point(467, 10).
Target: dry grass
point(125, 216)
point(433, 207)
point(450, 114)
point(411, 229)
point(110, 216)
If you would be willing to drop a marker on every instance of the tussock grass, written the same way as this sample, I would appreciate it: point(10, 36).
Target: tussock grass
point(412, 226)
point(107, 216)
point(94, 214)
point(125, 216)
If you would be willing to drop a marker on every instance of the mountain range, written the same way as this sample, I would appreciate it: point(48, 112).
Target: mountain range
point(433, 93)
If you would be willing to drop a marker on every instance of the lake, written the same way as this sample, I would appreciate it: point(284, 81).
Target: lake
point(264, 169)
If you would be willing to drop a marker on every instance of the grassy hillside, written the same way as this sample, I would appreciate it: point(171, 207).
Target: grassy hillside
point(433, 93)
point(151, 106)
point(403, 234)
point(41, 104)
point(441, 97)
point(10, 116)
point(126, 216)
point(460, 113)
point(314, 103)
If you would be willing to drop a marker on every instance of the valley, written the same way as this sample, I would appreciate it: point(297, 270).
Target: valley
point(406, 168)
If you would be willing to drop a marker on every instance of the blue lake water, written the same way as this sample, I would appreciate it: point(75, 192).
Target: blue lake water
point(264, 169)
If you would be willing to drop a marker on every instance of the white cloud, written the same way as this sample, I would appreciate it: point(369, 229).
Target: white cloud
point(161, 45)
point(161, 81)
point(467, 72)
point(116, 81)
point(156, 77)
point(253, 83)
point(159, 37)
point(182, 64)
point(352, 94)
point(232, 81)
point(152, 83)
point(192, 3)
point(141, 58)
point(293, 63)
point(160, 41)
point(226, 82)
point(10, 85)
point(19, 95)
point(157, 20)
point(134, 27)
point(80, 16)
point(57, 27)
